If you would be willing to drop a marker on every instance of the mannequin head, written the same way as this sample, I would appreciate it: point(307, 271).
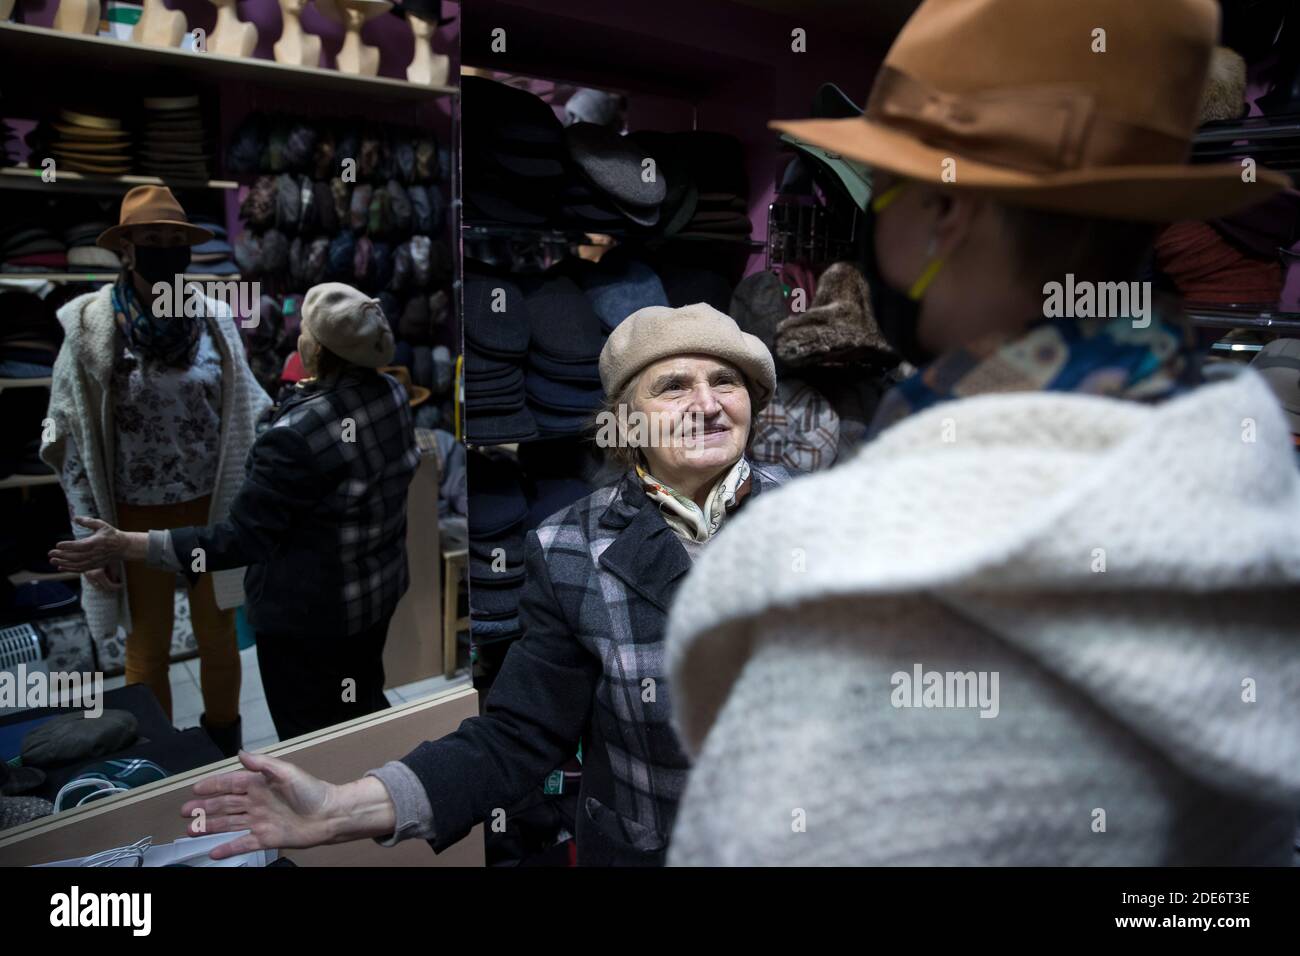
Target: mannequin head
point(154, 254)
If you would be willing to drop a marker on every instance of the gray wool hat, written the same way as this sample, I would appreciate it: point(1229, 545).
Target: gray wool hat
point(349, 323)
point(613, 163)
point(655, 333)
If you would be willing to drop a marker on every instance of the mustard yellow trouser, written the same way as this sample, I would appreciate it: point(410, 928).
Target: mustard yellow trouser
point(148, 646)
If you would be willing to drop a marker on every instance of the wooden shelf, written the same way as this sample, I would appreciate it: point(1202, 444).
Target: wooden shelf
point(29, 49)
point(28, 481)
point(27, 577)
point(25, 383)
point(24, 177)
point(102, 277)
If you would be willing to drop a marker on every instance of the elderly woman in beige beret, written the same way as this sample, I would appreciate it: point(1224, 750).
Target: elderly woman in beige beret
point(320, 521)
point(590, 666)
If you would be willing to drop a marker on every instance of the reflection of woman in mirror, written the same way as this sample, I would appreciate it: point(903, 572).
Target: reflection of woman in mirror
point(590, 667)
point(153, 415)
point(320, 520)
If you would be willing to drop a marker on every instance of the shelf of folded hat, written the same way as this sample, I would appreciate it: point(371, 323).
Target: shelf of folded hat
point(24, 177)
point(25, 383)
point(29, 481)
point(79, 57)
point(105, 276)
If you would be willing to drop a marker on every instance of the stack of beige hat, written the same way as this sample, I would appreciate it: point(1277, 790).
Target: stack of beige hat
point(91, 143)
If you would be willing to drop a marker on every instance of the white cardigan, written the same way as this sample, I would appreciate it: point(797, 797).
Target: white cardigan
point(1148, 713)
point(81, 407)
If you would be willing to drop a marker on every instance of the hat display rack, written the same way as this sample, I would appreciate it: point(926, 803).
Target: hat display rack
point(348, 199)
point(1267, 131)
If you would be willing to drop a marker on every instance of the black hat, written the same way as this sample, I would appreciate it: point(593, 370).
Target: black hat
point(496, 113)
point(562, 322)
point(430, 10)
point(556, 396)
point(716, 161)
point(686, 285)
point(496, 315)
point(681, 195)
point(497, 429)
point(583, 371)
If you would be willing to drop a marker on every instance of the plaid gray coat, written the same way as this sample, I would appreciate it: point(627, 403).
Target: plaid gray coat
point(320, 519)
point(601, 575)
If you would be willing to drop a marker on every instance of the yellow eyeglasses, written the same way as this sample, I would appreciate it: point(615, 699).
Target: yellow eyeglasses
point(882, 201)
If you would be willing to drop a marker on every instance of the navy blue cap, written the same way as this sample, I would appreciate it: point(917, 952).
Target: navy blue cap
point(562, 322)
point(500, 334)
point(561, 396)
point(501, 429)
point(619, 285)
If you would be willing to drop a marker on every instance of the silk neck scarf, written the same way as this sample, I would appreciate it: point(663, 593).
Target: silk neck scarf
point(1108, 357)
point(688, 519)
point(170, 341)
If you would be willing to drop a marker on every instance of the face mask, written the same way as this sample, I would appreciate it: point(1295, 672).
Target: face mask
point(156, 264)
point(897, 313)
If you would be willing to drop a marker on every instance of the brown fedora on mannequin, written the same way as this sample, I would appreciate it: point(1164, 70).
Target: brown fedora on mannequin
point(1010, 97)
point(153, 206)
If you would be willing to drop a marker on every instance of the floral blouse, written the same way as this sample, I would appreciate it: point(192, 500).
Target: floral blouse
point(168, 426)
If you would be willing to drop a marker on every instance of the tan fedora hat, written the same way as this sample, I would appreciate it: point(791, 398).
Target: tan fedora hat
point(152, 206)
point(1012, 95)
point(415, 394)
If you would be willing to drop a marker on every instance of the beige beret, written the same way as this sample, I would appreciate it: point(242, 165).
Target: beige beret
point(349, 323)
point(656, 332)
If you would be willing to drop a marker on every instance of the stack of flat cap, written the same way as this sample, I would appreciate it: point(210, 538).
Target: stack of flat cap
point(27, 247)
point(214, 257)
point(681, 193)
point(563, 381)
point(85, 142)
point(84, 253)
point(497, 334)
point(716, 164)
point(172, 144)
point(498, 509)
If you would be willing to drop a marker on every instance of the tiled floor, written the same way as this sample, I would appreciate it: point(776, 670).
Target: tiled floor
point(258, 731)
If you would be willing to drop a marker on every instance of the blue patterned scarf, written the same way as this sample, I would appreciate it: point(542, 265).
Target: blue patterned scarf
point(1091, 356)
point(170, 341)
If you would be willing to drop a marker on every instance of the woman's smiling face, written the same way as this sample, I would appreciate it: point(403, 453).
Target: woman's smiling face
point(704, 402)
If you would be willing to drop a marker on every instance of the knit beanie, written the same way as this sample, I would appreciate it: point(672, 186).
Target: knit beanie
point(348, 323)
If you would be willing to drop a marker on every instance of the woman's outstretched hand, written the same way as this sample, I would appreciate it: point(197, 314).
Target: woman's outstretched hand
point(284, 807)
point(105, 545)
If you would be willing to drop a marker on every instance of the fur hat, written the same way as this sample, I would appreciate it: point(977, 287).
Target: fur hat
point(1225, 87)
point(839, 328)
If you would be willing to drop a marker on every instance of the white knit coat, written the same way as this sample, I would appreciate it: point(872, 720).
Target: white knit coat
point(81, 406)
point(1132, 575)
